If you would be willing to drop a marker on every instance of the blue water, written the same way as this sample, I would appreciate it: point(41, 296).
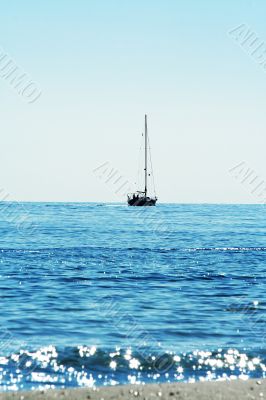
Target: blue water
point(101, 294)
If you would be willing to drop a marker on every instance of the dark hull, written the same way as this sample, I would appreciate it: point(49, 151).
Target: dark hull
point(142, 202)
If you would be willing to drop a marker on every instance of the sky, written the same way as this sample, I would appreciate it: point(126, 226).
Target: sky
point(100, 66)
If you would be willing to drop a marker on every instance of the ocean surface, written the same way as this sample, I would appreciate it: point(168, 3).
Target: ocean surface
point(105, 294)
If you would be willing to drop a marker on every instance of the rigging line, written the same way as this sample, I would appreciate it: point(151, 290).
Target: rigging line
point(149, 146)
point(139, 163)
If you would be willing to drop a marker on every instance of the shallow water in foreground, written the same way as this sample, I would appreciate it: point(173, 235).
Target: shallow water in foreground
point(107, 294)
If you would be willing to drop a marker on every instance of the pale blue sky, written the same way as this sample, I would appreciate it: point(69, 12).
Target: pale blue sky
point(103, 64)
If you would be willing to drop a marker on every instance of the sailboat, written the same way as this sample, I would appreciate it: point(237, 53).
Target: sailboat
point(141, 198)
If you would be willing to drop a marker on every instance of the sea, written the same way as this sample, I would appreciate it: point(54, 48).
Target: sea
point(99, 294)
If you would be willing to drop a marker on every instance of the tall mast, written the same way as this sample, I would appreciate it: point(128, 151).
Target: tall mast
point(146, 153)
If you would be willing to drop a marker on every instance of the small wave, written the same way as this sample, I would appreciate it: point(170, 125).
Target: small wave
point(227, 249)
point(51, 367)
point(132, 249)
